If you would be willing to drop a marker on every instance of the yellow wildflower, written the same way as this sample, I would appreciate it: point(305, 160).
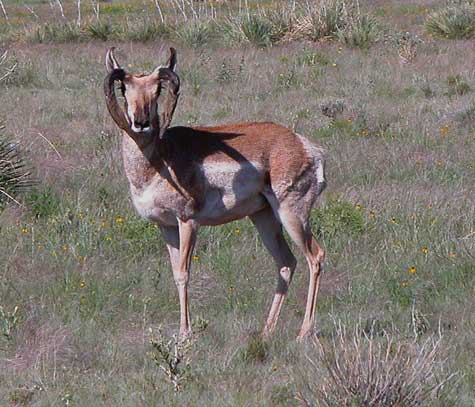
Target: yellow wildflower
point(412, 270)
point(196, 257)
point(119, 219)
point(372, 215)
point(237, 231)
point(424, 250)
point(25, 230)
point(82, 284)
point(444, 130)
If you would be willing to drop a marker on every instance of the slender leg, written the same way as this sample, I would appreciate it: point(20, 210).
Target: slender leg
point(180, 244)
point(271, 234)
point(314, 254)
point(298, 229)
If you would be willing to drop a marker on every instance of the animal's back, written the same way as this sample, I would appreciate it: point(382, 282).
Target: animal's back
point(274, 149)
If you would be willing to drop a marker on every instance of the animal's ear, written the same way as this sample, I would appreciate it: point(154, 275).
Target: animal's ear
point(111, 61)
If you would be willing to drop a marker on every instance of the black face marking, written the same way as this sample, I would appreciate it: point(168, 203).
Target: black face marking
point(122, 88)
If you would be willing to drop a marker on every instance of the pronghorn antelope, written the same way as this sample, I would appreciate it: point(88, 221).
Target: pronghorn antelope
point(184, 177)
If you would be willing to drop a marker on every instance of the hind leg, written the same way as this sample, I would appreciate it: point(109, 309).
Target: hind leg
point(270, 230)
point(295, 221)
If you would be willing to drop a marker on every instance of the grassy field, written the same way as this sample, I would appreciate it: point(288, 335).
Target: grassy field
point(88, 302)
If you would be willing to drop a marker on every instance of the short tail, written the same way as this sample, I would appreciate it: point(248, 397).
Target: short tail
point(321, 180)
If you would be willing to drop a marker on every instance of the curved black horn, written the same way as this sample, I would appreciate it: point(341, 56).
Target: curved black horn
point(111, 100)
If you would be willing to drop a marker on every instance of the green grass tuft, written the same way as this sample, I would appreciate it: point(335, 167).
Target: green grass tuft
point(453, 22)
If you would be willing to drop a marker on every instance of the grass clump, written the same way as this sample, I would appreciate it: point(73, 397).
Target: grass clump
point(14, 174)
point(455, 21)
point(195, 34)
point(250, 29)
point(341, 19)
point(100, 30)
point(8, 322)
point(43, 203)
point(458, 86)
point(144, 31)
point(373, 371)
point(256, 350)
point(54, 33)
point(324, 19)
point(361, 32)
point(336, 216)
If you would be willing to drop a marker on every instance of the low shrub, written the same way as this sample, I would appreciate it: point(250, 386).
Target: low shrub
point(43, 203)
point(324, 18)
point(195, 34)
point(338, 216)
point(457, 85)
point(14, 173)
point(54, 32)
point(373, 371)
point(454, 22)
point(100, 30)
point(144, 31)
point(361, 32)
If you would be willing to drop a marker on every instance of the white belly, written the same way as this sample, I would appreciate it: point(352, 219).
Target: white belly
point(233, 190)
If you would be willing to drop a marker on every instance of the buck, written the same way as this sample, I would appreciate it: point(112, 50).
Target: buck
point(184, 177)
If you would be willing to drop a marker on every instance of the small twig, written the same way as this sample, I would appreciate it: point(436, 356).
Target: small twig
point(95, 7)
point(159, 9)
point(61, 8)
point(78, 22)
point(9, 72)
point(51, 144)
point(30, 9)
point(3, 10)
point(2, 191)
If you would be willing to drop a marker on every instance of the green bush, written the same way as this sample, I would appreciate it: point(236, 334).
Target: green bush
point(336, 217)
point(43, 203)
point(454, 21)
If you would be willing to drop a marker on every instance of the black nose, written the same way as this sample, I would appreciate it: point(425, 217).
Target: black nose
point(142, 124)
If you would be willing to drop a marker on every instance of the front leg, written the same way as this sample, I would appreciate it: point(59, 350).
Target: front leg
point(180, 242)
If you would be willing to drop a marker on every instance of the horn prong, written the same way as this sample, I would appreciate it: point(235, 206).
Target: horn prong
point(171, 63)
point(111, 61)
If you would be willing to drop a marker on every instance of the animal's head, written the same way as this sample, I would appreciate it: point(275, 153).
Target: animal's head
point(141, 114)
